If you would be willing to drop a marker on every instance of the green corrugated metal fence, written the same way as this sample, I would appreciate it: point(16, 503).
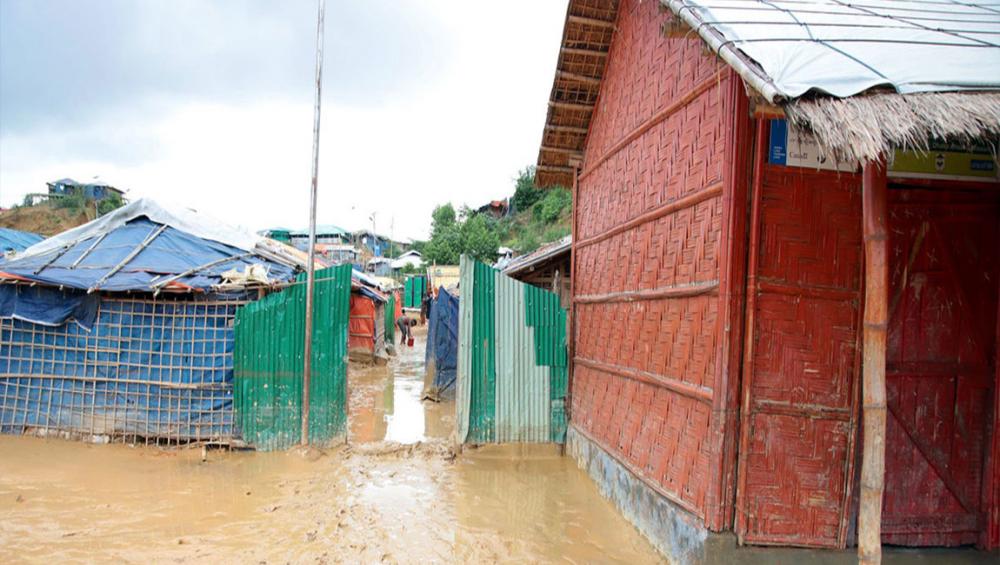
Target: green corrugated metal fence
point(414, 289)
point(512, 370)
point(390, 322)
point(268, 363)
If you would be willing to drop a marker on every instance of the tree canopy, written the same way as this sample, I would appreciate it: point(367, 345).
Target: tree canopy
point(538, 216)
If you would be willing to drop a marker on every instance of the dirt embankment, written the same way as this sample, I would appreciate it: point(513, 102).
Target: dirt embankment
point(44, 219)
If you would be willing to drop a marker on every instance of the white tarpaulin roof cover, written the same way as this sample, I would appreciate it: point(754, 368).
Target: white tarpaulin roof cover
point(183, 219)
point(843, 48)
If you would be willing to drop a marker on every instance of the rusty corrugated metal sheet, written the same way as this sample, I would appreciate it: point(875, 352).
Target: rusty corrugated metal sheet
point(511, 359)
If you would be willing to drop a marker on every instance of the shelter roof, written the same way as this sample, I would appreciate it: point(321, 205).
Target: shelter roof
point(145, 246)
point(590, 25)
point(788, 48)
point(889, 73)
point(17, 240)
point(543, 254)
point(321, 230)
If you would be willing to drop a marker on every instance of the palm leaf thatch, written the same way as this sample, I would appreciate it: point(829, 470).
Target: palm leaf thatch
point(863, 128)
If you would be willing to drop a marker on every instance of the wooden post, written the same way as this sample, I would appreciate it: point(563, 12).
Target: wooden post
point(874, 204)
point(311, 262)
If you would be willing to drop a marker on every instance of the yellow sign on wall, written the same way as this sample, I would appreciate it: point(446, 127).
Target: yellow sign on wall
point(946, 161)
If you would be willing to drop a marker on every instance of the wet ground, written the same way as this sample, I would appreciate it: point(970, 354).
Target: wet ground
point(396, 493)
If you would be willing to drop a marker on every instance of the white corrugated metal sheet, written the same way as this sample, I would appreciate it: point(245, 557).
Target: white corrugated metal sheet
point(523, 406)
point(844, 48)
point(462, 385)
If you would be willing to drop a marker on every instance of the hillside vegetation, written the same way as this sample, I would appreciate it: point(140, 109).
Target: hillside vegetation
point(537, 216)
point(57, 215)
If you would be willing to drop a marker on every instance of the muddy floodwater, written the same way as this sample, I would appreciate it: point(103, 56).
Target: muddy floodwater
point(395, 493)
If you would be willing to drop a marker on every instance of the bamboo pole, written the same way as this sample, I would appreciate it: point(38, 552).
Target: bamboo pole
point(874, 204)
point(311, 264)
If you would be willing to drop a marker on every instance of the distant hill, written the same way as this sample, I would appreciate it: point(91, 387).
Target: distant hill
point(45, 218)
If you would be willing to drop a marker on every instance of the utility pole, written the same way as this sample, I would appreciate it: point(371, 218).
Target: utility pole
point(311, 264)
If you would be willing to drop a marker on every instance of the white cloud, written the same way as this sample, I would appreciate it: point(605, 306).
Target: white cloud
point(461, 137)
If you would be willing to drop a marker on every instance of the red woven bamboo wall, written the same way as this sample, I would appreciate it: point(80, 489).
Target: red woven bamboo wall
point(802, 360)
point(649, 228)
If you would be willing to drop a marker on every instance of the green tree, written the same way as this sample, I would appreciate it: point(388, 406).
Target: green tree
point(109, 204)
point(526, 194)
point(442, 218)
point(419, 246)
point(480, 239)
point(445, 245)
point(552, 206)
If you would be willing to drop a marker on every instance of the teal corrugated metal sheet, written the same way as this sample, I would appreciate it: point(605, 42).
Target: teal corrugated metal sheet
point(268, 363)
point(522, 385)
point(482, 412)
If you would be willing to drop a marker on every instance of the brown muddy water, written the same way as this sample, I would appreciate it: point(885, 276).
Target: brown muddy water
point(395, 493)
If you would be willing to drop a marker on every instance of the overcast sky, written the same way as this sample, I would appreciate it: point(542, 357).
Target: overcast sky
point(208, 104)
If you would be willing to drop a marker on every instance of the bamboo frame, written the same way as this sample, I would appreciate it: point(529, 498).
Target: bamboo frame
point(724, 430)
point(689, 201)
point(673, 291)
point(128, 258)
point(583, 20)
point(571, 331)
point(176, 393)
point(874, 202)
point(674, 384)
point(157, 286)
point(741, 516)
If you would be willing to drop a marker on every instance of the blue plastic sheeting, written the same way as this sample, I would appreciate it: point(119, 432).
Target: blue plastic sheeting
point(16, 240)
point(172, 252)
point(148, 368)
point(442, 340)
point(48, 306)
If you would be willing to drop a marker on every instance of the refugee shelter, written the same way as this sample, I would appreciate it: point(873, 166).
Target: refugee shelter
point(367, 328)
point(12, 241)
point(326, 234)
point(512, 363)
point(785, 222)
point(89, 190)
point(441, 355)
point(411, 258)
point(547, 267)
point(123, 327)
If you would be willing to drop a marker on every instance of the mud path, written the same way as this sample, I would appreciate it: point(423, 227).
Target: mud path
point(396, 493)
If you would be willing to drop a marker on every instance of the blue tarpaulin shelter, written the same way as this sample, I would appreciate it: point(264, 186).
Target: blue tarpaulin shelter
point(126, 330)
point(442, 343)
point(17, 240)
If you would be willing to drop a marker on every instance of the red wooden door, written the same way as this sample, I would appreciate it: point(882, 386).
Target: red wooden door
point(799, 411)
point(940, 365)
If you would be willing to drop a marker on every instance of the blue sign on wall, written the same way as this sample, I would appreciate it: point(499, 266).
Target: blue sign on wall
point(778, 148)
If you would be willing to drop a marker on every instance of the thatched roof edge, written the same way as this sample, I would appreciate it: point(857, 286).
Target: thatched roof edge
point(583, 53)
point(866, 127)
